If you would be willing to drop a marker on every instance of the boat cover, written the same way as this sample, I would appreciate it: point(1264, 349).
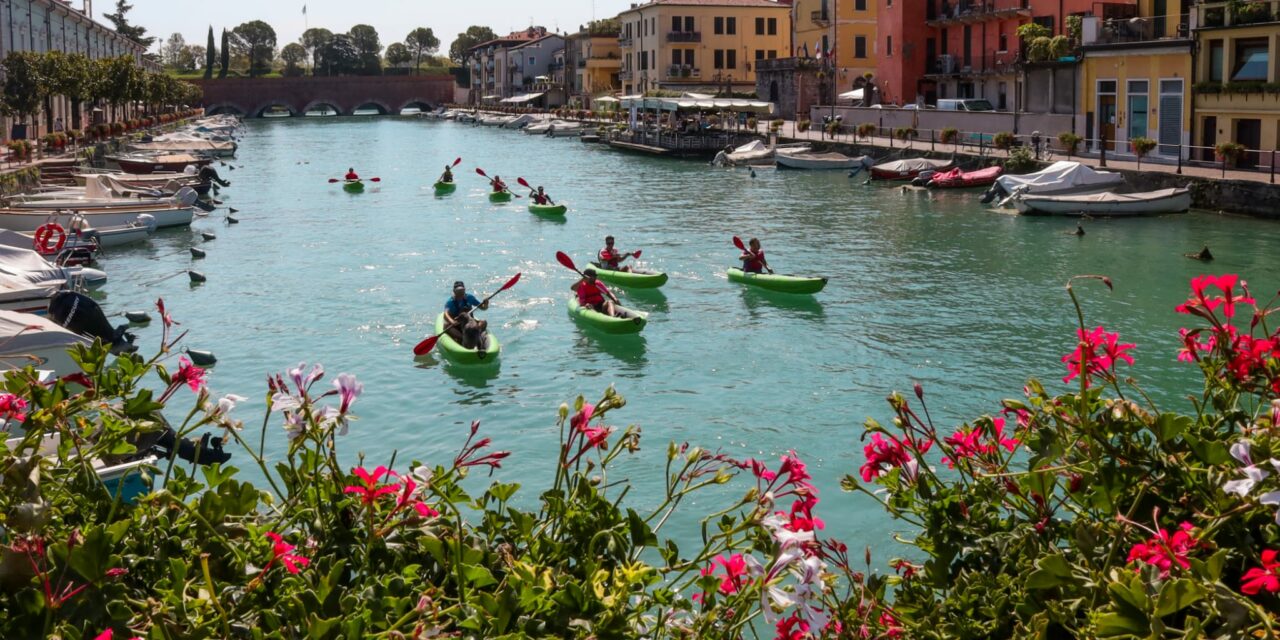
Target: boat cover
point(26, 333)
point(1107, 197)
point(1060, 176)
point(17, 262)
point(754, 145)
point(912, 165)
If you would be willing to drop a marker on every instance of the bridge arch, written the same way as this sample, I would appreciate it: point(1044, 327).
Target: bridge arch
point(381, 106)
point(420, 103)
point(225, 107)
point(325, 102)
point(262, 109)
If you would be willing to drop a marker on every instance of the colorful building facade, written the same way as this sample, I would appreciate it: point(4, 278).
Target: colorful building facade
point(844, 29)
point(1234, 66)
point(489, 61)
point(706, 45)
point(594, 60)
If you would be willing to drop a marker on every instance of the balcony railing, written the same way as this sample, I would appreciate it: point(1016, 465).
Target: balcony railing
point(625, 42)
point(962, 11)
point(1219, 14)
point(1113, 31)
point(985, 64)
point(677, 71)
point(684, 36)
point(820, 17)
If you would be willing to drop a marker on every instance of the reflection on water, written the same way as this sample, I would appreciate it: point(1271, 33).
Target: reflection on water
point(476, 376)
point(627, 348)
point(647, 300)
point(802, 306)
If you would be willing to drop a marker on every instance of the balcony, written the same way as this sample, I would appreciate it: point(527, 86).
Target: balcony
point(820, 18)
point(970, 11)
point(684, 36)
point(624, 75)
point(683, 71)
point(602, 62)
point(785, 64)
point(1219, 14)
point(625, 42)
point(1102, 32)
point(949, 66)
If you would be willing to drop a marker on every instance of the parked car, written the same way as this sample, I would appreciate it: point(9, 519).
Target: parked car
point(965, 104)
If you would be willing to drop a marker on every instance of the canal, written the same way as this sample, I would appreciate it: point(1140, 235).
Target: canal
point(935, 289)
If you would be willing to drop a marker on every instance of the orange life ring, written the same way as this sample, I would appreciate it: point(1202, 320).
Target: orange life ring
point(50, 238)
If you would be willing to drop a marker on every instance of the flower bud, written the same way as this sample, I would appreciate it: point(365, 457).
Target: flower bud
point(919, 391)
point(564, 410)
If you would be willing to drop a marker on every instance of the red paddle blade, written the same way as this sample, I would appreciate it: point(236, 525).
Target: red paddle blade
point(375, 179)
point(425, 347)
point(636, 254)
point(481, 172)
point(458, 161)
point(737, 242)
point(565, 260)
point(510, 283)
point(523, 183)
point(332, 180)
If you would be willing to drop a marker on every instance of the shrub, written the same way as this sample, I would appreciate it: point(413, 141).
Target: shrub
point(866, 129)
point(803, 125)
point(1141, 147)
point(1070, 142)
point(904, 133)
point(1229, 152)
point(1004, 140)
point(949, 135)
point(752, 122)
point(1020, 160)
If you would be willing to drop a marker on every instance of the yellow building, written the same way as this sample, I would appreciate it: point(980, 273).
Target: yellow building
point(845, 28)
point(708, 45)
point(595, 60)
point(1136, 78)
point(1235, 71)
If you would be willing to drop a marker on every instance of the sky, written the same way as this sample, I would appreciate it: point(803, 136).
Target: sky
point(393, 19)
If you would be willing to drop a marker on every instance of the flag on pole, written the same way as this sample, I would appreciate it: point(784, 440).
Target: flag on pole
point(818, 47)
point(304, 9)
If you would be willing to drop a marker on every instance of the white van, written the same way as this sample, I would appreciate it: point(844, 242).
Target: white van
point(965, 104)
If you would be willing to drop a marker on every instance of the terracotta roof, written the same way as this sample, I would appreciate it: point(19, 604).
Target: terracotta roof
point(537, 40)
point(714, 3)
point(525, 35)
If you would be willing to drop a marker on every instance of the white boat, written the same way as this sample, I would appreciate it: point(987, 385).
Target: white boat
point(19, 261)
point(30, 340)
point(908, 169)
point(525, 120)
point(1060, 178)
point(564, 129)
point(95, 196)
point(127, 478)
point(491, 120)
point(757, 152)
point(166, 215)
point(1175, 200)
point(185, 143)
point(138, 180)
point(808, 160)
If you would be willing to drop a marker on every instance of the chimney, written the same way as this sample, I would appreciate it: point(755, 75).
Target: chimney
point(88, 8)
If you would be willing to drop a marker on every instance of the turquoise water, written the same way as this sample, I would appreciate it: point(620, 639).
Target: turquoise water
point(929, 288)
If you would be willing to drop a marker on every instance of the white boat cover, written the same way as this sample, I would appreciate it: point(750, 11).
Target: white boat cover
point(26, 333)
point(910, 165)
point(753, 146)
point(1114, 198)
point(17, 262)
point(1063, 175)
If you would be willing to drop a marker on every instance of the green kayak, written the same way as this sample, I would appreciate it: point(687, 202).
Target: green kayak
point(445, 187)
point(636, 279)
point(775, 282)
point(548, 209)
point(500, 196)
point(458, 354)
point(634, 321)
point(353, 186)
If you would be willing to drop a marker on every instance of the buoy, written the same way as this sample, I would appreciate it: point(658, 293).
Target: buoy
point(196, 276)
point(208, 236)
point(201, 358)
point(137, 317)
point(1079, 230)
point(197, 253)
point(233, 210)
point(1204, 254)
point(231, 220)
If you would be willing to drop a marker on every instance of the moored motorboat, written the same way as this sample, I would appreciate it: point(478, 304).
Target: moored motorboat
point(630, 279)
point(549, 210)
point(500, 196)
point(757, 152)
point(627, 320)
point(141, 163)
point(1060, 178)
point(30, 340)
point(442, 188)
point(960, 179)
point(461, 355)
point(778, 282)
point(907, 169)
point(166, 215)
point(787, 159)
point(1174, 200)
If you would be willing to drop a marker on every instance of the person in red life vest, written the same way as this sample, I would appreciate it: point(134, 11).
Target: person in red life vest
point(753, 258)
point(351, 174)
point(498, 185)
point(593, 294)
point(610, 258)
point(540, 197)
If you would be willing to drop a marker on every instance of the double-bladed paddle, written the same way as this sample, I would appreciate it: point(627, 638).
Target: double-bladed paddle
point(737, 242)
point(491, 181)
point(334, 180)
point(531, 190)
point(425, 347)
point(564, 259)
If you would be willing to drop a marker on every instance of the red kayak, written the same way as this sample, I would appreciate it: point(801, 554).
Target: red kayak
point(957, 179)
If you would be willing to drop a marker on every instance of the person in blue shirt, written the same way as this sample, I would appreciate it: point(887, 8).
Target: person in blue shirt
point(460, 323)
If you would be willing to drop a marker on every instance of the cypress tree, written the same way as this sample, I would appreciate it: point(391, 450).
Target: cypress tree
point(226, 56)
point(209, 56)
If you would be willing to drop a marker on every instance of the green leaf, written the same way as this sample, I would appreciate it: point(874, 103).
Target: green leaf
point(1051, 571)
point(1169, 426)
point(641, 534)
point(477, 576)
point(1121, 624)
point(319, 628)
point(1208, 451)
point(1177, 595)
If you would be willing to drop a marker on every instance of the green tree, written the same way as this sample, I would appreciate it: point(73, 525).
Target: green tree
point(172, 50)
point(25, 87)
point(256, 40)
point(121, 22)
point(340, 56)
point(473, 36)
point(420, 42)
point(293, 55)
point(70, 75)
point(398, 55)
point(192, 57)
point(210, 54)
point(368, 48)
point(226, 55)
point(313, 40)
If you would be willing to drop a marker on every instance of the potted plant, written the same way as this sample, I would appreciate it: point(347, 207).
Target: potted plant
point(1141, 146)
point(1070, 142)
point(19, 149)
point(1004, 140)
point(949, 135)
point(1229, 153)
point(752, 122)
point(865, 130)
point(803, 125)
point(75, 135)
point(833, 128)
point(904, 133)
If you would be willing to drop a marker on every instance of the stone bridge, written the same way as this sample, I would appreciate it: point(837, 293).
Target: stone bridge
point(251, 97)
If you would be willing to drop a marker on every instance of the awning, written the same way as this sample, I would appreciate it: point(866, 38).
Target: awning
point(689, 104)
point(489, 98)
point(528, 97)
point(605, 99)
point(856, 94)
point(698, 96)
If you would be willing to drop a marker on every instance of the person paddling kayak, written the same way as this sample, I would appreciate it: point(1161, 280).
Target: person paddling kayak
point(753, 258)
point(351, 174)
point(592, 294)
point(611, 258)
point(447, 176)
point(463, 327)
point(498, 185)
point(540, 197)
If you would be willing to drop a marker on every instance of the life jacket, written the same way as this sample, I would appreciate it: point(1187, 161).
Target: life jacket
point(609, 259)
point(499, 187)
point(539, 198)
point(754, 264)
point(351, 175)
point(590, 295)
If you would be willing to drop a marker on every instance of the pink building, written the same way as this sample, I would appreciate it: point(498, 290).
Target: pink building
point(940, 49)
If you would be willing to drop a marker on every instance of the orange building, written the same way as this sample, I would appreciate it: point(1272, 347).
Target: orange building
point(938, 49)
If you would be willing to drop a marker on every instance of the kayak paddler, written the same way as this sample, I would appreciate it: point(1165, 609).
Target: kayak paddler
point(351, 174)
point(540, 197)
point(461, 325)
point(447, 176)
point(593, 294)
point(753, 258)
point(498, 185)
point(611, 258)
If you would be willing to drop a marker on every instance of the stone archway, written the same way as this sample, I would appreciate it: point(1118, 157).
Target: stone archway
point(261, 110)
point(420, 103)
point(324, 102)
point(381, 106)
point(226, 107)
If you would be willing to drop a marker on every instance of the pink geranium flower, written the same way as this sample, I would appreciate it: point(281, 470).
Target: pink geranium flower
point(283, 551)
point(12, 407)
point(1264, 578)
point(369, 489)
point(1165, 549)
point(189, 374)
point(1096, 353)
point(883, 455)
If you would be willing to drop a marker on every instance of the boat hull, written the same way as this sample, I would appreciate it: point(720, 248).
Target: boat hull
point(799, 161)
point(551, 210)
point(459, 354)
point(145, 167)
point(27, 220)
point(630, 279)
point(634, 323)
point(500, 196)
point(353, 186)
point(779, 283)
point(443, 188)
point(1106, 204)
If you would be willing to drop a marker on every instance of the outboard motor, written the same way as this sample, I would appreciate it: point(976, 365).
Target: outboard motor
point(923, 179)
point(209, 174)
point(79, 313)
point(186, 196)
point(996, 191)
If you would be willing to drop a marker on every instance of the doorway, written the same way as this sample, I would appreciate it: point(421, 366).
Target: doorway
point(1249, 134)
point(1107, 113)
point(1137, 113)
point(1209, 139)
